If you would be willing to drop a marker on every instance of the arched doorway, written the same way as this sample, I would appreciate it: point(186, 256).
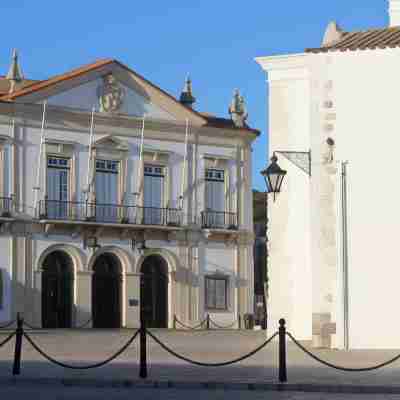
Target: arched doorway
point(57, 290)
point(154, 292)
point(107, 291)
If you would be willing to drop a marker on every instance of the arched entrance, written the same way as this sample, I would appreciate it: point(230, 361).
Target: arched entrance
point(107, 291)
point(154, 292)
point(57, 290)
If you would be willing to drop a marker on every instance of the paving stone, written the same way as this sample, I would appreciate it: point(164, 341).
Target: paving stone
point(256, 373)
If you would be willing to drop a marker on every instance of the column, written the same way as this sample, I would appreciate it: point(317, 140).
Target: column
point(37, 299)
point(83, 298)
point(132, 300)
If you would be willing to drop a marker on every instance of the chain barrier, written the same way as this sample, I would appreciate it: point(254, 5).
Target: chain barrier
point(230, 326)
point(328, 364)
point(8, 324)
point(32, 326)
point(281, 333)
point(203, 364)
point(84, 324)
point(96, 365)
point(7, 339)
point(190, 327)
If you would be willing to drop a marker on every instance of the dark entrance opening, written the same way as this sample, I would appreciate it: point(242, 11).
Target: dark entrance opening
point(57, 284)
point(107, 292)
point(154, 292)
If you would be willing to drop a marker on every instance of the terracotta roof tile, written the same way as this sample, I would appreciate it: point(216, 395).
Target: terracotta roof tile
point(5, 84)
point(56, 79)
point(218, 122)
point(362, 40)
point(33, 86)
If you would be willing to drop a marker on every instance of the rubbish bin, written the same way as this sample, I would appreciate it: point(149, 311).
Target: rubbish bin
point(248, 320)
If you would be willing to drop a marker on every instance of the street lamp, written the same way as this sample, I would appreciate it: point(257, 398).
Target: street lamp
point(140, 245)
point(273, 176)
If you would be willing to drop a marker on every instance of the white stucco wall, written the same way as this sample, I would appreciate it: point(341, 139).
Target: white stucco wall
point(367, 124)
point(289, 267)
point(352, 98)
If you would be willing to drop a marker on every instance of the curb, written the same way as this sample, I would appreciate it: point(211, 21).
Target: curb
point(227, 386)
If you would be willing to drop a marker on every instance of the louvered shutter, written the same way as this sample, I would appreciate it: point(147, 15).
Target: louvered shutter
point(210, 293)
point(220, 290)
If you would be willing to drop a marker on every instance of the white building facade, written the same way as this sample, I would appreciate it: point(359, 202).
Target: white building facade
point(333, 267)
point(107, 178)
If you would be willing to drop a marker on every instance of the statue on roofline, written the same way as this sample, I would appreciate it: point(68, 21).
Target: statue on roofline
point(237, 110)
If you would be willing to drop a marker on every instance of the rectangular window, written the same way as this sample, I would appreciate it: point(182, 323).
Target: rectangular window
point(214, 198)
point(153, 213)
point(106, 185)
point(215, 190)
point(57, 187)
point(216, 293)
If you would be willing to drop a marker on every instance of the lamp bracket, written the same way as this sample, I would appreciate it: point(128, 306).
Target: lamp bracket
point(301, 159)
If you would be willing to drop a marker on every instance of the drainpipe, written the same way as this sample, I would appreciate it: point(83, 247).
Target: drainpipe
point(345, 259)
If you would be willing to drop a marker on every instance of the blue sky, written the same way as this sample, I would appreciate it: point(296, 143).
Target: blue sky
point(214, 41)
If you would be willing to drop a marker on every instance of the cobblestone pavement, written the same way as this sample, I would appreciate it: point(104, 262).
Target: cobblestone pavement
point(65, 393)
point(88, 346)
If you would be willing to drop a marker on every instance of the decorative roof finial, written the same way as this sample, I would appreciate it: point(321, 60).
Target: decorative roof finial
point(237, 109)
point(333, 33)
point(14, 74)
point(187, 97)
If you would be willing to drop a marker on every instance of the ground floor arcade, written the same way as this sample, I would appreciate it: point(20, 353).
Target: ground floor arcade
point(61, 284)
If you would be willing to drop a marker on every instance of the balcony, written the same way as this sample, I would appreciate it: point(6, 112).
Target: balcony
point(6, 206)
point(219, 220)
point(108, 213)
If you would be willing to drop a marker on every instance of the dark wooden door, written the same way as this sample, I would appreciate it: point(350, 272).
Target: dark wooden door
point(57, 284)
point(106, 292)
point(154, 292)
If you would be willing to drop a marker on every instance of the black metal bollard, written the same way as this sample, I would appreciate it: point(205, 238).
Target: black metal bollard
point(143, 347)
point(18, 346)
point(208, 321)
point(239, 322)
point(174, 323)
point(282, 351)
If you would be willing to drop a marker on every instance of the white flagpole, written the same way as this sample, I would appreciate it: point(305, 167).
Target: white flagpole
point(184, 163)
point(139, 177)
point(91, 132)
point(42, 139)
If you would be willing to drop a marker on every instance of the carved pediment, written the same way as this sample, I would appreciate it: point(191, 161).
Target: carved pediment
point(111, 143)
point(111, 94)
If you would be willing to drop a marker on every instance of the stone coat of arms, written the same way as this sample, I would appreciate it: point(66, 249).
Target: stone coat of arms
point(110, 94)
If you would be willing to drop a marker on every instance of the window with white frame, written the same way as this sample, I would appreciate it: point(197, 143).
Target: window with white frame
point(214, 215)
point(216, 292)
point(107, 188)
point(57, 186)
point(215, 190)
point(153, 196)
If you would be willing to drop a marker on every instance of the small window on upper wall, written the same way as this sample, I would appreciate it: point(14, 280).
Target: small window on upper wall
point(107, 166)
point(216, 292)
point(57, 162)
point(154, 170)
point(217, 175)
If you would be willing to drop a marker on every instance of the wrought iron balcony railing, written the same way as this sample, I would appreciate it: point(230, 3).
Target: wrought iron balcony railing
point(109, 213)
point(219, 220)
point(6, 206)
